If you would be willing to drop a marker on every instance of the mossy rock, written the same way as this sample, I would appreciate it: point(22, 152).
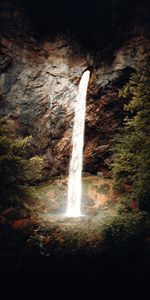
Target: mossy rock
point(103, 189)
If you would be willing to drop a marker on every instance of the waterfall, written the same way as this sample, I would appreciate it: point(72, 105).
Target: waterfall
point(75, 170)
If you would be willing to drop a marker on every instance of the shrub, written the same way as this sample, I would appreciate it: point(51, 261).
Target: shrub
point(125, 230)
point(17, 168)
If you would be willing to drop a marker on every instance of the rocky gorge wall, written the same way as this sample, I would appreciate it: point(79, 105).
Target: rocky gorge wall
point(38, 88)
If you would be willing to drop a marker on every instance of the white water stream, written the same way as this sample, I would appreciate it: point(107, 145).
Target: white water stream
point(76, 162)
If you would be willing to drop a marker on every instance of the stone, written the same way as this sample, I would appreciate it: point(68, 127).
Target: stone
point(38, 89)
point(86, 174)
point(5, 61)
point(20, 224)
point(100, 174)
point(107, 174)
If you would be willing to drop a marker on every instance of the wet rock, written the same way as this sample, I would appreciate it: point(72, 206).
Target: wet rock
point(39, 84)
point(107, 174)
point(5, 61)
point(85, 174)
point(21, 224)
point(100, 174)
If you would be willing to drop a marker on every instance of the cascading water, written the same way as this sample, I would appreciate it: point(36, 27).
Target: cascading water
point(75, 171)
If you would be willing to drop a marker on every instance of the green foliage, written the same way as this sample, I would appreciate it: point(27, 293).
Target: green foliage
point(17, 169)
point(33, 168)
point(123, 205)
point(125, 231)
point(131, 152)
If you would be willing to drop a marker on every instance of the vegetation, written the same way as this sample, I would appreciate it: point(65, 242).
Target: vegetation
point(17, 168)
point(131, 152)
point(126, 231)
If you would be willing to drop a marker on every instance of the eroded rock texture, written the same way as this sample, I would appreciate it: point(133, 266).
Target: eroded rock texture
point(38, 88)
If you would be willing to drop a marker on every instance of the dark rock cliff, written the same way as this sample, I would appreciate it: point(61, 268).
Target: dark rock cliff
point(39, 83)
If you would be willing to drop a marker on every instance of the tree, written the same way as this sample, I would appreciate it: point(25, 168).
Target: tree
point(17, 168)
point(132, 149)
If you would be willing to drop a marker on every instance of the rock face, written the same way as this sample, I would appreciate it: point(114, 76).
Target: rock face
point(38, 88)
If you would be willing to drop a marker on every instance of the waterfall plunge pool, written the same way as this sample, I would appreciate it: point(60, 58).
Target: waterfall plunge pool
point(98, 197)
